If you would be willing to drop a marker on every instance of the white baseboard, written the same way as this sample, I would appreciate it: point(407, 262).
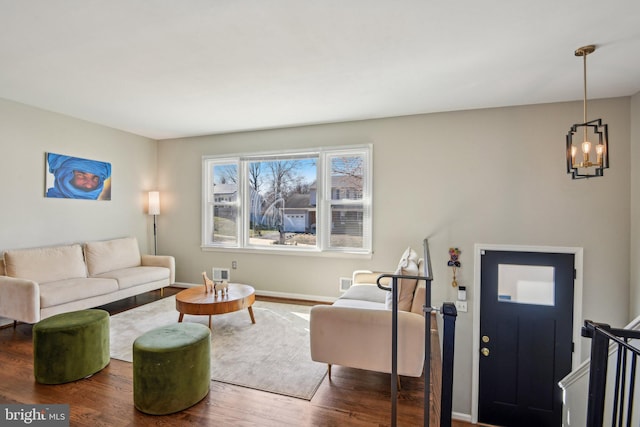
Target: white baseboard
point(461, 417)
point(302, 297)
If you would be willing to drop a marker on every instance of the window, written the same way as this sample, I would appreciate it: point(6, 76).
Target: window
point(310, 201)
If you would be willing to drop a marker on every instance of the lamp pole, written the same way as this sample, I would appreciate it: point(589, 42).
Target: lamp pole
point(155, 236)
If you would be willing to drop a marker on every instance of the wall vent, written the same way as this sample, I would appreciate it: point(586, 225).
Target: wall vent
point(345, 283)
point(220, 274)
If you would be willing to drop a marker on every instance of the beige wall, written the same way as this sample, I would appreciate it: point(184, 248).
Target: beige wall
point(634, 300)
point(494, 176)
point(29, 219)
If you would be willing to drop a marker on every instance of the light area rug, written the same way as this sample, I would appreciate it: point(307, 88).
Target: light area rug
point(271, 355)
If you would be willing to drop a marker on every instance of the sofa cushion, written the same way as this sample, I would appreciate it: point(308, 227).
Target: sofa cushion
point(111, 255)
point(358, 303)
point(64, 291)
point(370, 293)
point(408, 266)
point(46, 264)
point(134, 276)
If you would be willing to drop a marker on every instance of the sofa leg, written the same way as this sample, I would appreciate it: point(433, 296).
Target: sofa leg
point(15, 324)
point(399, 387)
point(329, 370)
point(161, 292)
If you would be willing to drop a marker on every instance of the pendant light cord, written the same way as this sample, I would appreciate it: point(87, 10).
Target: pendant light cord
point(584, 62)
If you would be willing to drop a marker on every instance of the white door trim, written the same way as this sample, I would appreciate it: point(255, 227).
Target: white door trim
point(577, 307)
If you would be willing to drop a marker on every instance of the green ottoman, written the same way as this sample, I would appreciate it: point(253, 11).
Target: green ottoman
point(171, 368)
point(70, 346)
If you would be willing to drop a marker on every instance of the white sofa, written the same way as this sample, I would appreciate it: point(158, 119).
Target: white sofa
point(356, 330)
point(40, 282)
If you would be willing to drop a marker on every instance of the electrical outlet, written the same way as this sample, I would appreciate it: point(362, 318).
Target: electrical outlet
point(461, 306)
point(234, 264)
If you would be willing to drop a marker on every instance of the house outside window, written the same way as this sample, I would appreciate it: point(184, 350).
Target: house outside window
point(315, 201)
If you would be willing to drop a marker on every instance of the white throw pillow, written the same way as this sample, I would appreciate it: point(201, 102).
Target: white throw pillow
point(408, 255)
point(408, 266)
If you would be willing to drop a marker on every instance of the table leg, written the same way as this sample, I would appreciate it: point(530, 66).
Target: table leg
point(180, 318)
point(253, 319)
point(209, 322)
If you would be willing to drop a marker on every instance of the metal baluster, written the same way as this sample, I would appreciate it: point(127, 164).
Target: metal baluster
point(394, 353)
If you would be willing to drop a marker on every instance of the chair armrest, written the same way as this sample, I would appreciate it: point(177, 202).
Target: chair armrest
point(19, 299)
point(161, 261)
point(361, 338)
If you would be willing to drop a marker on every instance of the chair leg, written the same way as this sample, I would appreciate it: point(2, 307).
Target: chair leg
point(399, 387)
point(329, 370)
point(15, 323)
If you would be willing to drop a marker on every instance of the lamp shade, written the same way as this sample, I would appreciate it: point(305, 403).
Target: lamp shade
point(154, 203)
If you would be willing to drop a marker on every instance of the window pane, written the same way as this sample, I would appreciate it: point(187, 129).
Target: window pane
point(225, 183)
point(347, 177)
point(526, 284)
point(225, 204)
point(282, 197)
point(346, 226)
point(225, 228)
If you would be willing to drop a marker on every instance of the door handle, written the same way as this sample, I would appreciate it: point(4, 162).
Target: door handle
point(484, 351)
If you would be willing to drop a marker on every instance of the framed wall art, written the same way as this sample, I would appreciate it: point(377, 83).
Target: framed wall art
point(71, 177)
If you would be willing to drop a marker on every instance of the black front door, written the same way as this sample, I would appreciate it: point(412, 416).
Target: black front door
point(526, 322)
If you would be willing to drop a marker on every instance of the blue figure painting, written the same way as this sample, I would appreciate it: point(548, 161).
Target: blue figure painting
point(75, 178)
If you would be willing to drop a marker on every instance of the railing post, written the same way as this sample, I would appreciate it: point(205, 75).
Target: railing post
point(426, 311)
point(598, 372)
point(394, 353)
point(449, 314)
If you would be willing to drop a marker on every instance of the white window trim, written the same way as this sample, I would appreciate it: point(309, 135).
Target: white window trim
point(323, 203)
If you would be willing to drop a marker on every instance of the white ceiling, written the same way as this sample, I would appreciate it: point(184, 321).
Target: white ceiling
point(168, 68)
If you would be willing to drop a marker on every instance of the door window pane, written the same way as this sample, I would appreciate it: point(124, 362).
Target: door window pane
point(526, 284)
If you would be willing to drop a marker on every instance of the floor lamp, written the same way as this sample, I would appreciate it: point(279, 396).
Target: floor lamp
point(154, 209)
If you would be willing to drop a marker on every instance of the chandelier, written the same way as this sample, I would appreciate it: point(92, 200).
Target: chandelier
point(581, 162)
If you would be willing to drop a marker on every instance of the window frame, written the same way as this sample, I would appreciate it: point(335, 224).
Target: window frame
point(324, 201)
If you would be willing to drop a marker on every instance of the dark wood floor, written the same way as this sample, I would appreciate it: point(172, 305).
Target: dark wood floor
point(353, 397)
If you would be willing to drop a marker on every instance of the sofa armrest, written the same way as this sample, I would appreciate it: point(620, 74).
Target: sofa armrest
point(367, 277)
point(161, 261)
point(361, 338)
point(19, 299)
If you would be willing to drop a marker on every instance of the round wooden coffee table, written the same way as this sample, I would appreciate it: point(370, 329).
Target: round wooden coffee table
point(199, 302)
